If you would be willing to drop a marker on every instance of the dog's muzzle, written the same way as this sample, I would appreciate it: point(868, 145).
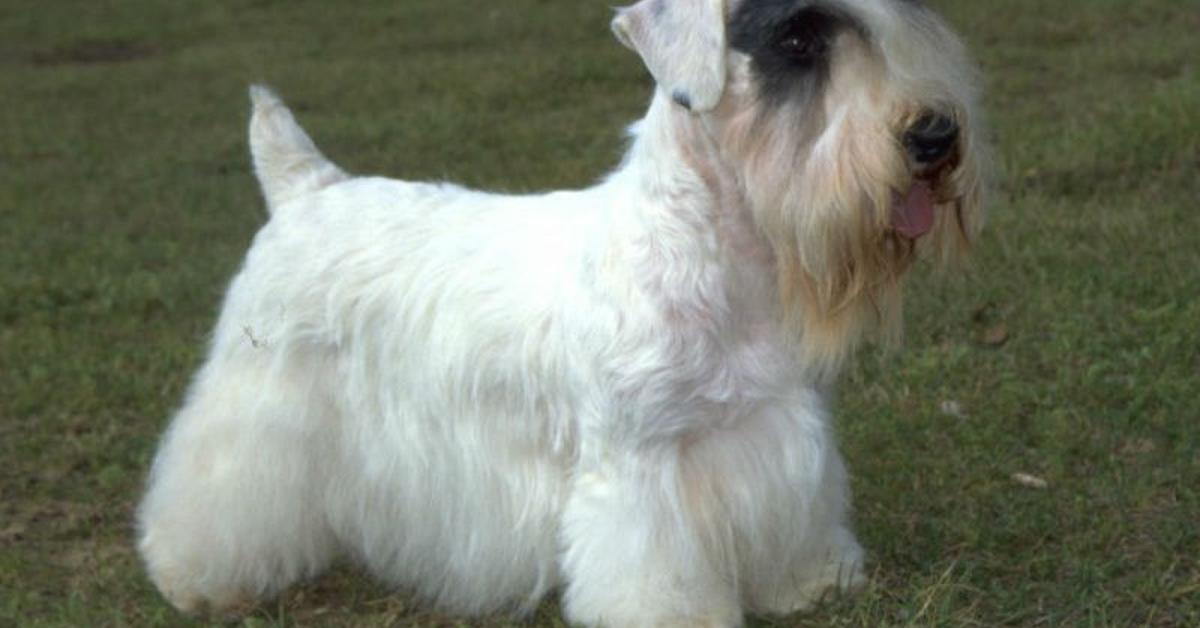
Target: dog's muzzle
point(931, 144)
point(931, 139)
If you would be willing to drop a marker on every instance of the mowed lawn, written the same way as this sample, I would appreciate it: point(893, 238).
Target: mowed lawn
point(1070, 353)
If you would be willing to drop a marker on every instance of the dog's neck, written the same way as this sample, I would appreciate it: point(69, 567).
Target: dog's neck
point(682, 169)
point(698, 251)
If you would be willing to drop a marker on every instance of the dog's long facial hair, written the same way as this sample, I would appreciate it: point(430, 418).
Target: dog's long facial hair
point(846, 150)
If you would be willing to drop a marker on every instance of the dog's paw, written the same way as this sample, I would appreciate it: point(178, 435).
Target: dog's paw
point(651, 614)
point(187, 593)
point(190, 602)
point(721, 620)
point(842, 576)
point(836, 579)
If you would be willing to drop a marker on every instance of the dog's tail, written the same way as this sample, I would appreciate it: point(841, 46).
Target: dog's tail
point(286, 161)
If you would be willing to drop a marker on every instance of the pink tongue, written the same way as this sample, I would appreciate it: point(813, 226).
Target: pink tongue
point(912, 217)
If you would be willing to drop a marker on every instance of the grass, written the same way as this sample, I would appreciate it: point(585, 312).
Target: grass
point(1071, 353)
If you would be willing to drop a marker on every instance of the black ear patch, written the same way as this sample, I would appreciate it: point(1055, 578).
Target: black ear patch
point(789, 43)
point(682, 99)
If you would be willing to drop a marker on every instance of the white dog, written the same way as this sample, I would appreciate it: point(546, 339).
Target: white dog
point(620, 393)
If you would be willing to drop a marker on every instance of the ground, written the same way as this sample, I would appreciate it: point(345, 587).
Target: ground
point(1029, 458)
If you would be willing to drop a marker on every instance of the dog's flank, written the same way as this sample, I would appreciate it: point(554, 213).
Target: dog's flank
point(620, 393)
point(286, 161)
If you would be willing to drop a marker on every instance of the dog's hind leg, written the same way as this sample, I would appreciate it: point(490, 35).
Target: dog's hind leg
point(234, 510)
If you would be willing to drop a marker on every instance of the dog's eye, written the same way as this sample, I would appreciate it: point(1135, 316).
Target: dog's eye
point(806, 37)
point(804, 49)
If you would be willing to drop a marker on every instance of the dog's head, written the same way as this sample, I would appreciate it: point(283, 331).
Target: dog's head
point(852, 129)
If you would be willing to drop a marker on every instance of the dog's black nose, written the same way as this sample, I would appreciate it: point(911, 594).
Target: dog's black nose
point(931, 138)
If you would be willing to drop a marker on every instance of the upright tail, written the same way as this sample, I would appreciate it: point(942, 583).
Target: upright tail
point(286, 161)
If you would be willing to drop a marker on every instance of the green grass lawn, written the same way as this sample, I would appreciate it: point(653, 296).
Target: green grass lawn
point(1071, 353)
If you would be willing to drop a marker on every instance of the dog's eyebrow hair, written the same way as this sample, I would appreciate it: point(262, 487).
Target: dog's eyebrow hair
point(755, 27)
point(755, 18)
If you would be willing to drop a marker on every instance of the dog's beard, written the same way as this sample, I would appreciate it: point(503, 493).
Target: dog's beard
point(845, 217)
point(958, 190)
point(826, 211)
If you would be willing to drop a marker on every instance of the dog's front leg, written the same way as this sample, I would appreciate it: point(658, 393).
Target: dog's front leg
point(642, 546)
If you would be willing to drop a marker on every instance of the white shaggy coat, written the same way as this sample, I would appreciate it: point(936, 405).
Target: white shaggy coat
point(481, 397)
point(484, 398)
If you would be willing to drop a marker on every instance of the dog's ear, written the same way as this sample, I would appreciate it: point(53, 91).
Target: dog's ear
point(682, 43)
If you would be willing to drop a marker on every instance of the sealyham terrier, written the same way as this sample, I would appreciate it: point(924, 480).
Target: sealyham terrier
point(622, 393)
